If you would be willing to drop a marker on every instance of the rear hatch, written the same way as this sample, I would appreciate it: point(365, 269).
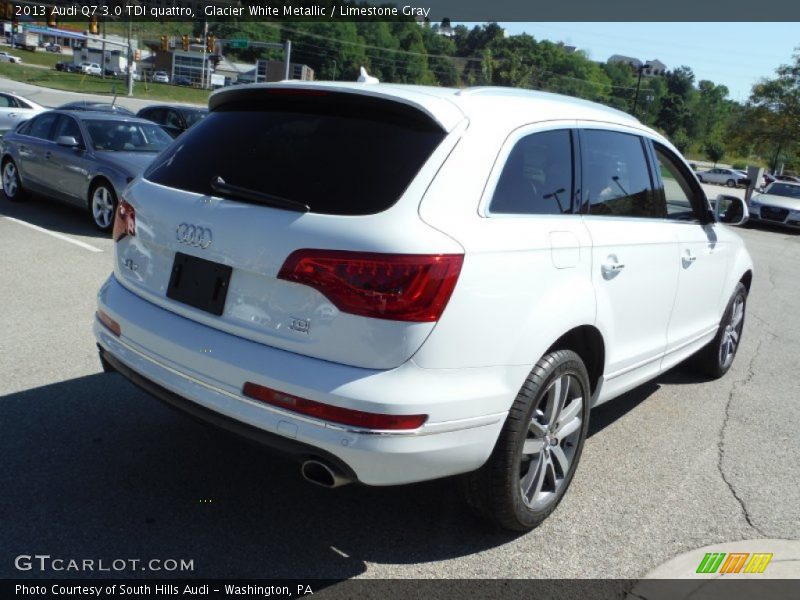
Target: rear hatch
point(290, 217)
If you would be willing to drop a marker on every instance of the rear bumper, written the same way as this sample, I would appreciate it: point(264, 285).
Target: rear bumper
point(201, 371)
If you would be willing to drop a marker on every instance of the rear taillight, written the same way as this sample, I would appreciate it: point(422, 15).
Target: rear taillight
point(335, 414)
point(124, 221)
point(400, 287)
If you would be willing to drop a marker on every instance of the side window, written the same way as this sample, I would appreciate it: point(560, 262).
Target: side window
point(155, 114)
point(69, 127)
point(173, 119)
point(677, 190)
point(616, 177)
point(537, 176)
point(24, 128)
point(42, 126)
point(6, 101)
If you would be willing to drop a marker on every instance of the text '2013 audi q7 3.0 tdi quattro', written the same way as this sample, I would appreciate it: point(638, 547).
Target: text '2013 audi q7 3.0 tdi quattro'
point(401, 283)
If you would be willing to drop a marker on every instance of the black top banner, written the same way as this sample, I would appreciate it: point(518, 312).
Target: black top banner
point(434, 11)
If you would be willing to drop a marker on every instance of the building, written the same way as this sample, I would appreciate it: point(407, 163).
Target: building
point(654, 66)
point(187, 66)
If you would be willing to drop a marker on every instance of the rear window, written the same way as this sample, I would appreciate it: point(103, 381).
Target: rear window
point(338, 153)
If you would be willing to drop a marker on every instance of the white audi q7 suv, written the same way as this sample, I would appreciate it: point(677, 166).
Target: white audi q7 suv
point(398, 283)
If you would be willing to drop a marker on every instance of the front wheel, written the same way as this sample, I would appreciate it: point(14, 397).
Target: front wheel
point(12, 186)
point(715, 359)
point(538, 450)
point(102, 205)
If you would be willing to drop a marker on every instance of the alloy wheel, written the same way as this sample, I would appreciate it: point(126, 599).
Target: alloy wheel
point(732, 333)
point(552, 440)
point(10, 182)
point(102, 206)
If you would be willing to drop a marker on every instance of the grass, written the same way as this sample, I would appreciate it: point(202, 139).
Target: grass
point(91, 84)
point(47, 59)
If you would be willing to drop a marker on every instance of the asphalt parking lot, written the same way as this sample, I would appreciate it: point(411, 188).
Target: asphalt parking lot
point(94, 468)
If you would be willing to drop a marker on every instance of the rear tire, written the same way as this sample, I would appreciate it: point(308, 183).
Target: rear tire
point(716, 358)
point(539, 446)
point(730, 183)
point(12, 186)
point(700, 179)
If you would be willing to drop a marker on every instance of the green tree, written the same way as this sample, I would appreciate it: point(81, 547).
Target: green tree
point(774, 116)
point(715, 150)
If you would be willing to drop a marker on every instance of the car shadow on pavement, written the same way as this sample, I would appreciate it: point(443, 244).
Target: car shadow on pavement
point(51, 214)
point(95, 468)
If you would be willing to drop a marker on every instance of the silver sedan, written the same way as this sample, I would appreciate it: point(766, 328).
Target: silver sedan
point(83, 158)
point(779, 203)
point(721, 176)
point(15, 110)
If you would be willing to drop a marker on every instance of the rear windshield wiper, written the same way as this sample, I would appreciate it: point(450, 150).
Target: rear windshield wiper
point(218, 185)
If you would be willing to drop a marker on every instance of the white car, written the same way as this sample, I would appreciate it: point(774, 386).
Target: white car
point(401, 283)
point(779, 204)
point(160, 77)
point(6, 57)
point(91, 68)
point(15, 109)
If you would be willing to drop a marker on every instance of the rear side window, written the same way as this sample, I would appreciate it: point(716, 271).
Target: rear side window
point(42, 126)
point(616, 177)
point(537, 177)
point(340, 154)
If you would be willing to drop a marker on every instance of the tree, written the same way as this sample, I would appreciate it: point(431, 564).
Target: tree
point(774, 118)
point(715, 150)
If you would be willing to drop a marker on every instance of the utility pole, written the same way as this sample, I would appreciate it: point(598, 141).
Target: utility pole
point(287, 56)
point(205, 45)
point(130, 58)
point(639, 83)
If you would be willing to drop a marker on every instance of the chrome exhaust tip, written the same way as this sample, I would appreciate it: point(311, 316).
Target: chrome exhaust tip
point(323, 474)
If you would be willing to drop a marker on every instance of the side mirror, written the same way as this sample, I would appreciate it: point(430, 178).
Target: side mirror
point(730, 210)
point(68, 141)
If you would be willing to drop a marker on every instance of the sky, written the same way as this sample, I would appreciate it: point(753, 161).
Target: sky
point(734, 54)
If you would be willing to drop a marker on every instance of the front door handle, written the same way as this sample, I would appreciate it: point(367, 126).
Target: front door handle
point(47, 154)
point(612, 267)
point(688, 258)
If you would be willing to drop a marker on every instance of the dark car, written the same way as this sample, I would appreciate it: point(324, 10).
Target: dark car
point(96, 107)
point(182, 81)
point(83, 158)
point(173, 118)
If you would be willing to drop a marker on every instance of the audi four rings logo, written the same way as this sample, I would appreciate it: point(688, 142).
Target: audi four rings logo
point(194, 235)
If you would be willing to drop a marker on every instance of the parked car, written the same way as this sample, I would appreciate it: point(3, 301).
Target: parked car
point(6, 57)
point(160, 77)
point(15, 109)
point(182, 81)
point(67, 67)
point(91, 68)
point(175, 119)
point(96, 106)
point(789, 178)
point(83, 158)
point(778, 203)
point(52, 47)
point(729, 177)
point(402, 283)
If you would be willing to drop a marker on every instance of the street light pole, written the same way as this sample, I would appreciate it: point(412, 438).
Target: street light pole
point(639, 83)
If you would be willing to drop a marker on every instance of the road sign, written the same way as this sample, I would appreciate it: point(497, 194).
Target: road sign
point(238, 43)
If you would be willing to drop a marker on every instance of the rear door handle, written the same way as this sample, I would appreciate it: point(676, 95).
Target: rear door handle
point(688, 258)
point(47, 154)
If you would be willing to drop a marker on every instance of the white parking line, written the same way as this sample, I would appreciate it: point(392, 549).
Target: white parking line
point(60, 236)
